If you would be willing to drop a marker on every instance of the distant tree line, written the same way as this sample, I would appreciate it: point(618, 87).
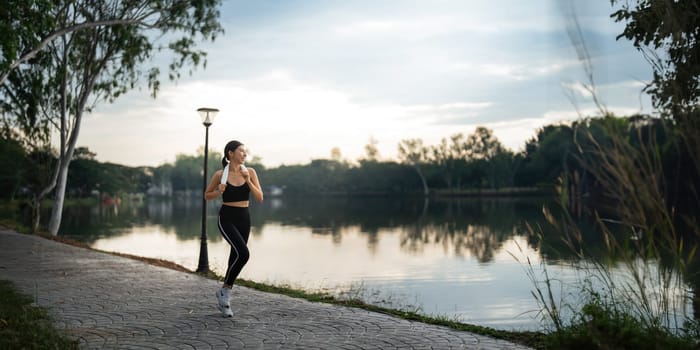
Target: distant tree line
point(558, 156)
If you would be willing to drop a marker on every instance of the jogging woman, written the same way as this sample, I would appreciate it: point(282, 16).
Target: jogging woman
point(235, 183)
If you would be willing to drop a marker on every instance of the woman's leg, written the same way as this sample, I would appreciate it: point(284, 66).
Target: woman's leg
point(234, 225)
point(236, 233)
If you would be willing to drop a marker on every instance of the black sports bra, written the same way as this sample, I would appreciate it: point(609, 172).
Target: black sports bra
point(236, 193)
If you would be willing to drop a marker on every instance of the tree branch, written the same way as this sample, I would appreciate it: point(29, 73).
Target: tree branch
point(86, 25)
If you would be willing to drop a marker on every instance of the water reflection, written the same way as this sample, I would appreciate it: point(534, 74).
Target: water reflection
point(450, 257)
point(470, 226)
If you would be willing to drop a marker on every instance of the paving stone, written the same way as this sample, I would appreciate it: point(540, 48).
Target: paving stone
point(110, 302)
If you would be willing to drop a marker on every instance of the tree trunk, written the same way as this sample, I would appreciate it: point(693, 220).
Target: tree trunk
point(66, 151)
point(59, 197)
point(448, 180)
point(422, 179)
point(36, 213)
point(62, 173)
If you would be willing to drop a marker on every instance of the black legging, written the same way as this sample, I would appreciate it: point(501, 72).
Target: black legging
point(234, 225)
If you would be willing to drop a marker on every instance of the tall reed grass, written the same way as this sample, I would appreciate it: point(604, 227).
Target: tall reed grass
point(637, 294)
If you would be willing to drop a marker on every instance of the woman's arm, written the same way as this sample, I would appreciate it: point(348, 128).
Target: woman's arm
point(214, 189)
point(254, 185)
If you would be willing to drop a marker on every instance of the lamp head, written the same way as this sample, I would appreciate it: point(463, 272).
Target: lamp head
point(208, 115)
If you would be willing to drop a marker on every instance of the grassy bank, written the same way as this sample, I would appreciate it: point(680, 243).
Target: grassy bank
point(23, 326)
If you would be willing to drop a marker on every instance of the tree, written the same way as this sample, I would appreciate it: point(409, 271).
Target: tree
point(38, 176)
point(23, 23)
point(547, 155)
point(501, 170)
point(666, 33)
point(100, 63)
point(24, 39)
point(23, 121)
point(489, 160)
point(482, 144)
point(84, 153)
point(336, 155)
point(13, 167)
point(412, 152)
point(186, 174)
point(371, 151)
point(449, 156)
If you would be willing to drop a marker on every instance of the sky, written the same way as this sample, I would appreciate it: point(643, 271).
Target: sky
point(294, 79)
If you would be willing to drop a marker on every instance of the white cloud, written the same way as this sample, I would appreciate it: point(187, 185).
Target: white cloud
point(579, 89)
point(416, 27)
point(515, 70)
point(447, 107)
point(626, 84)
point(382, 28)
point(587, 90)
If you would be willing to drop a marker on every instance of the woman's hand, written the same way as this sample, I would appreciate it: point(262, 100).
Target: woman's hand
point(245, 173)
point(215, 187)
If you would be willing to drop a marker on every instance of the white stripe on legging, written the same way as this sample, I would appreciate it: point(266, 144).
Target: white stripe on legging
point(223, 233)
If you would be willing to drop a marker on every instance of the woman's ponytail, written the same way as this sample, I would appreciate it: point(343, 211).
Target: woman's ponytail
point(231, 146)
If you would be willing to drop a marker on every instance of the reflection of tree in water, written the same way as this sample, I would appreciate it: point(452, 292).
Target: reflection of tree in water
point(334, 231)
point(185, 219)
point(91, 222)
point(466, 225)
point(88, 223)
point(480, 241)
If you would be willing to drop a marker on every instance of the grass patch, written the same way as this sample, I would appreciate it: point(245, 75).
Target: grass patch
point(23, 326)
point(13, 225)
point(601, 326)
point(9, 216)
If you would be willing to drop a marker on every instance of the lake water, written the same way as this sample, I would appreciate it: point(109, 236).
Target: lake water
point(458, 258)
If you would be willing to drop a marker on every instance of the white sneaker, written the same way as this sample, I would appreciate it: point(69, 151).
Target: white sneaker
point(223, 297)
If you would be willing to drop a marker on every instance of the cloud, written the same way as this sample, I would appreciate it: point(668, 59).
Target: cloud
point(514, 70)
point(625, 84)
point(416, 27)
point(579, 89)
point(448, 107)
point(396, 29)
point(444, 114)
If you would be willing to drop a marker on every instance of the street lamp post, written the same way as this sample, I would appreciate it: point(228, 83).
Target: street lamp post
point(207, 115)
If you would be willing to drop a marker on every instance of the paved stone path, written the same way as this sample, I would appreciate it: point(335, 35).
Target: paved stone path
point(110, 302)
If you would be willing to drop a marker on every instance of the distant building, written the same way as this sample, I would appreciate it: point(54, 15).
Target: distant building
point(164, 189)
point(275, 191)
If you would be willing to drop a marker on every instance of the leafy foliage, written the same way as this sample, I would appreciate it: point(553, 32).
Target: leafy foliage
point(666, 32)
